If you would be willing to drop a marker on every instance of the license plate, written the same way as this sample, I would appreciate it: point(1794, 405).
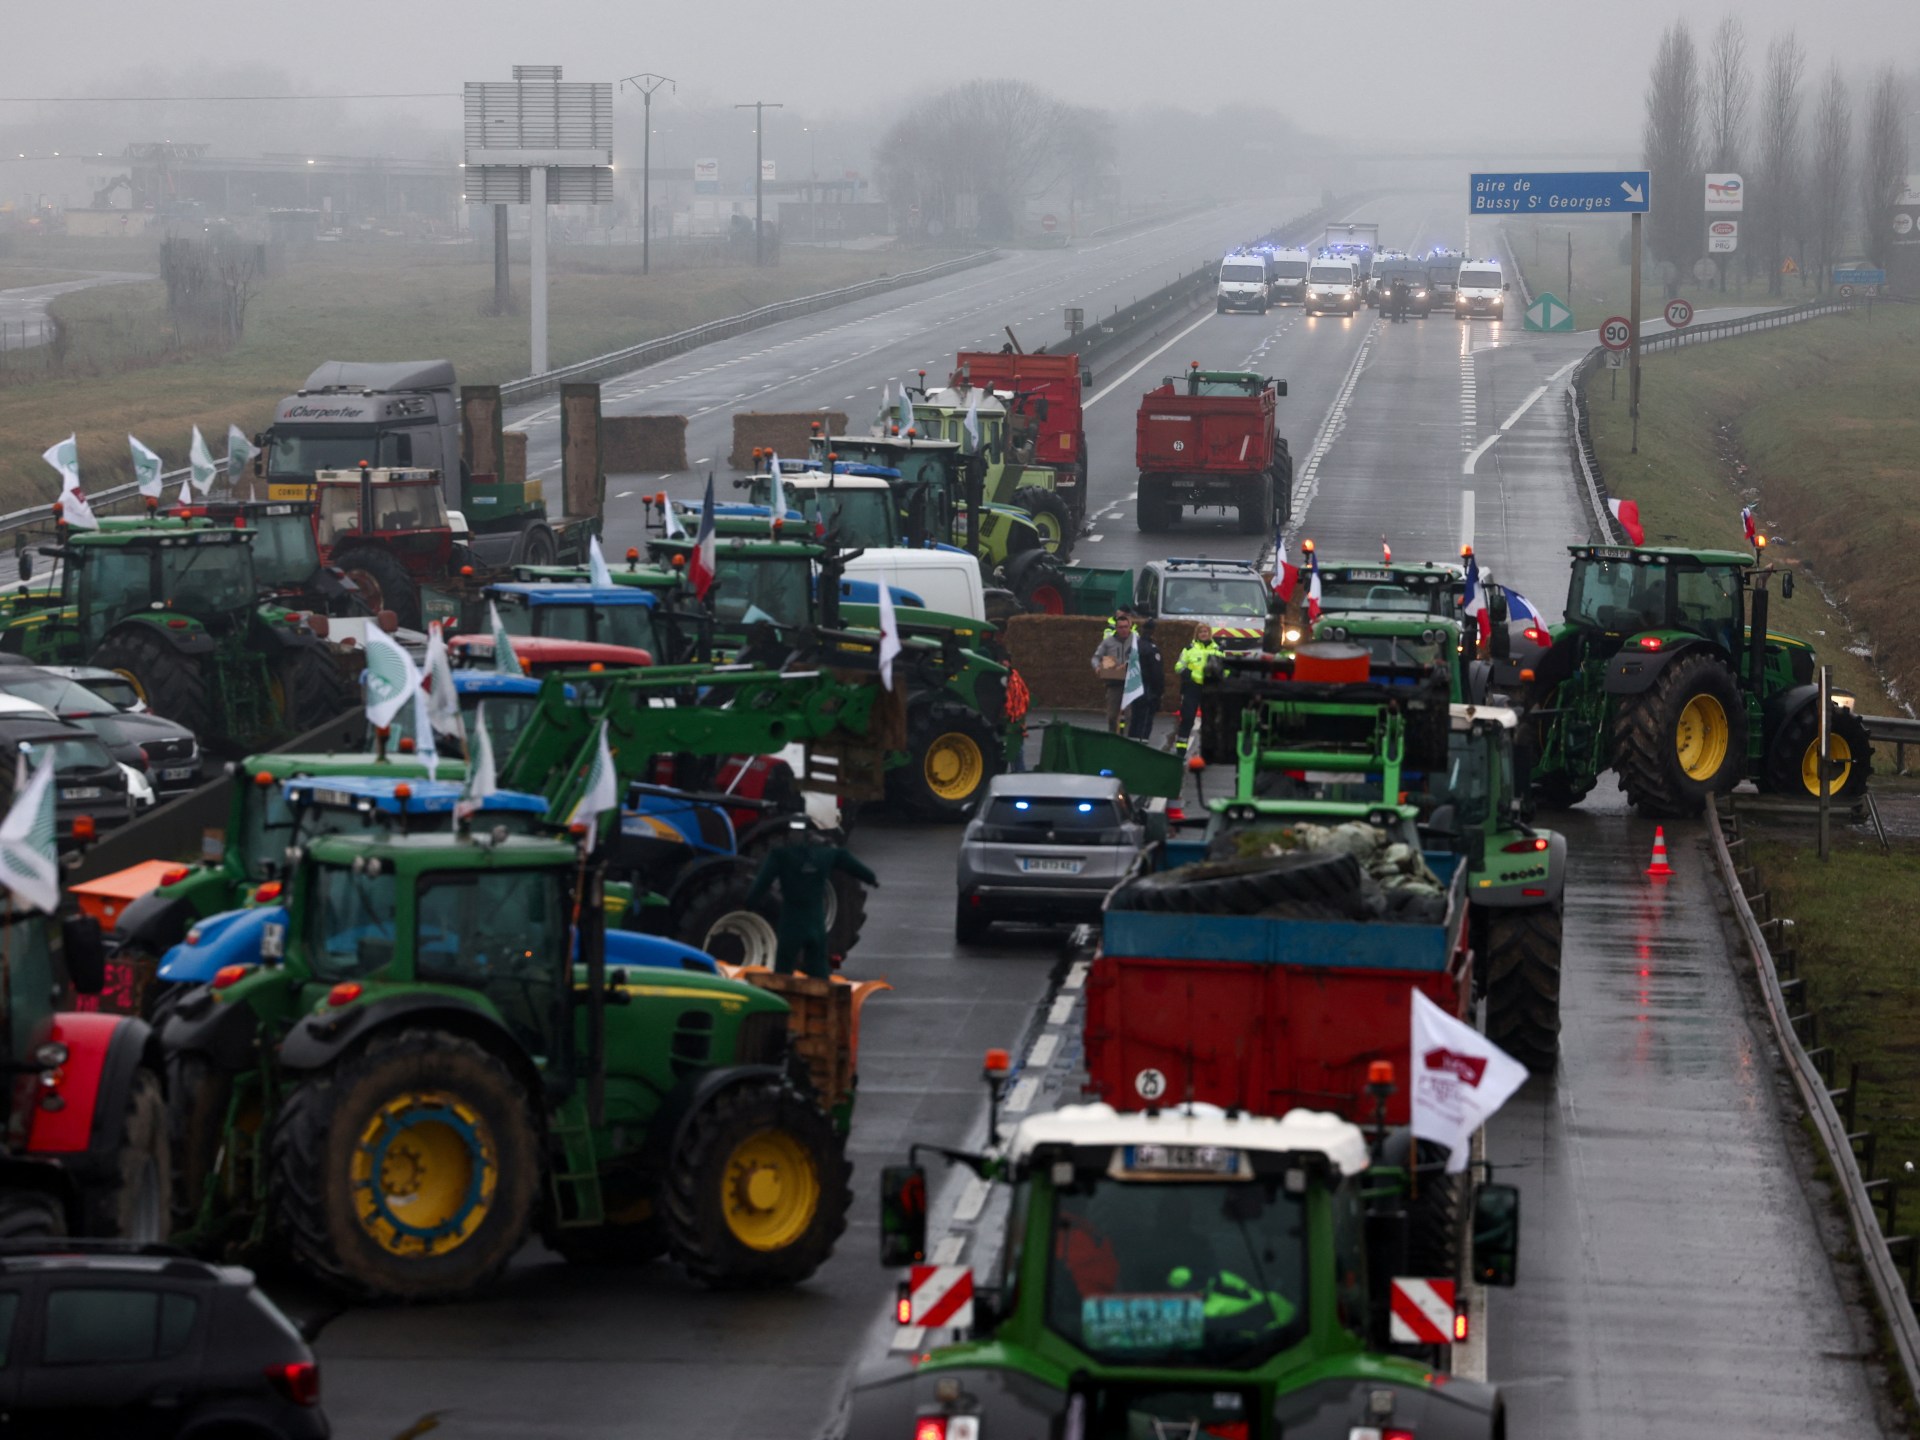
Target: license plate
point(1048, 865)
point(81, 792)
point(177, 772)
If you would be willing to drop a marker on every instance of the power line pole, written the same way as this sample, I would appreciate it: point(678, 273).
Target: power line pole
point(646, 84)
point(759, 108)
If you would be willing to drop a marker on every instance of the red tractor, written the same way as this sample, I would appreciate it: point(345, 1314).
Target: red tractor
point(388, 530)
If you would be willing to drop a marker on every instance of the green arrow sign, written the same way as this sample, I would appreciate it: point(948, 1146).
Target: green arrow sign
point(1549, 312)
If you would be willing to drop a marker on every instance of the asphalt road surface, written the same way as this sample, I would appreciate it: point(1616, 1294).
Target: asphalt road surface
point(1673, 1276)
point(23, 308)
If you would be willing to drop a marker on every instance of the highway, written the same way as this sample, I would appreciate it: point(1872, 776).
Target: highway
point(1674, 1274)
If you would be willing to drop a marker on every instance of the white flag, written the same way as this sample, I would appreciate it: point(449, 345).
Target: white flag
point(29, 864)
point(481, 781)
point(889, 635)
point(1136, 685)
point(75, 508)
point(597, 570)
point(778, 504)
point(443, 698)
point(972, 426)
point(391, 677)
point(147, 469)
point(1460, 1078)
point(603, 790)
point(670, 520)
point(426, 744)
point(239, 451)
point(505, 662)
point(200, 464)
point(886, 407)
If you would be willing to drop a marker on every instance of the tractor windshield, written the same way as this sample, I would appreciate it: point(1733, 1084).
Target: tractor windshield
point(1376, 596)
point(1199, 1272)
point(350, 926)
point(1621, 597)
point(208, 578)
point(852, 519)
point(266, 828)
point(409, 507)
point(779, 589)
point(339, 511)
point(29, 996)
point(504, 933)
point(283, 550)
point(600, 624)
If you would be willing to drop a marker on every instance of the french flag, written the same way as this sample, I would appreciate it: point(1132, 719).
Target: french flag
point(1476, 599)
point(1313, 586)
point(1746, 523)
point(702, 563)
point(1285, 574)
point(1386, 551)
point(1627, 512)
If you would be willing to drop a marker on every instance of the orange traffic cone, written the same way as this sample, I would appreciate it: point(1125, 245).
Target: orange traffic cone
point(1658, 867)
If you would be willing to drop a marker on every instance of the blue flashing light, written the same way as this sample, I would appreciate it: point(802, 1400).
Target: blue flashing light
point(1085, 807)
point(1020, 805)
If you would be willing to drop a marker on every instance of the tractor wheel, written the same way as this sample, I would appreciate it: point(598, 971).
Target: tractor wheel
point(1152, 512)
point(1036, 581)
point(384, 582)
point(1052, 517)
point(953, 754)
point(1793, 758)
point(311, 689)
point(1523, 984)
point(756, 1192)
point(173, 685)
point(198, 1099)
point(409, 1171)
point(536, 545)
point(1683, 739)
point(1256, 512)
point(711, 913)
point(132, 1204)
point(30, 1215)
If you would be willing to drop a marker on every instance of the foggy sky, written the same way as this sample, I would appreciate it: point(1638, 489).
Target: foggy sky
point(1492, 76)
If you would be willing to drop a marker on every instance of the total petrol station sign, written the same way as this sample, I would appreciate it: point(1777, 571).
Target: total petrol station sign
point(1724, 193)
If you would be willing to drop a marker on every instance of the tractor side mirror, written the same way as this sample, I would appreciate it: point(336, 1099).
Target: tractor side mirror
point(1499, 614)
point(1476, 842)
point(1496, 1234)
point(85, 954)
point(903, 1215)
point(1280, 389)
point(26, 562)
point(1786, 583)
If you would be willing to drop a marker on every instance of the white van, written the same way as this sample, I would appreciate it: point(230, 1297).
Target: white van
point(1480, 290)
point(943, 580)
point(1243, 284)
point(1333, 283)
point(1289, 264)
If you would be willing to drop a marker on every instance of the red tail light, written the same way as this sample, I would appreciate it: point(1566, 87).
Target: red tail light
point(930, 1427)
point(345, 993)
point(227, 975)
point(1524, 847)
point(299, 1381)
point(1535, 634)
point(175, 875)
point(1651, 642)
point(269, 891)
point(1459, 1327)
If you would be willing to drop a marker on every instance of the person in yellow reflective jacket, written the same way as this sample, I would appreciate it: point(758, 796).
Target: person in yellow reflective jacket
point(1192, 666)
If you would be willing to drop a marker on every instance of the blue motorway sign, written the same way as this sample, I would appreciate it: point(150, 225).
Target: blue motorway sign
point(1859, 277)
point(1560, 192)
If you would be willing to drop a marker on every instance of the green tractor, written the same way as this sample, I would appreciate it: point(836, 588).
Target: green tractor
point(1005, 450)
point(1666, 672)
point(437, 1061)
point(1183, 1272)
point(174, 606)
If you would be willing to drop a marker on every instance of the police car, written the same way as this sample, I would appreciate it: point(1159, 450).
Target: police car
point(1228, 595)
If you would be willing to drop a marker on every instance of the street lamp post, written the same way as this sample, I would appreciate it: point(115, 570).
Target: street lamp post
point(646, 84)
point(759, 108)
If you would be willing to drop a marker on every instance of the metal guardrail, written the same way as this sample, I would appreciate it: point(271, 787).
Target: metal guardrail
point(108, 501)
point(1898, 731)
point(619, 362)
point(1745, 325)
point(1818, 1094)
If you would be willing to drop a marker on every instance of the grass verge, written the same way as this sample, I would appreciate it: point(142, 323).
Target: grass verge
point(1813, 426)
point(124, 375)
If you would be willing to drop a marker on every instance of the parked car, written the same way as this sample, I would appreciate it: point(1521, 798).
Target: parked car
point(111, 1338)
point(110, 685)
point(1044, 849)
point(87, 780)
point(165, 749)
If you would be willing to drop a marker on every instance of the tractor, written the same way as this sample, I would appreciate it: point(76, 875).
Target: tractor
point(1666, 672)
point(286, 557)
point(440, 1062)
point(1005, 448)
point(388, 530)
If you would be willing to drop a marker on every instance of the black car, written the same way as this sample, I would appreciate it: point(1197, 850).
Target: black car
point(87, 780)
point(164, 749)
point(1411, 273)
point(102, 1338)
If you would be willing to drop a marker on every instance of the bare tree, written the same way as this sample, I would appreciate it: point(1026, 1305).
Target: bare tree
point(1883, 163)
point(184, 269)
point(1670, 148)
point(236, 269)
point(1729, 91)
point(1830, 172)
point(1779, 151)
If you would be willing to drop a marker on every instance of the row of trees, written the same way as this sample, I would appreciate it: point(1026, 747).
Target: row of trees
point(1817, 169)
point(971, 157)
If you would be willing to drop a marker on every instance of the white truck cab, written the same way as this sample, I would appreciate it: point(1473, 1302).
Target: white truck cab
point(1333, 284)
point(1243, 284)
point(1480, 289)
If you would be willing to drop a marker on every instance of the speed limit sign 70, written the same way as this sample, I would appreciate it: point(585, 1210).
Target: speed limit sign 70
point(1679, 314)
point(1616, 333)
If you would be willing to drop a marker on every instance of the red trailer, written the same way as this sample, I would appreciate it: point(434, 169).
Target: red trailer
point(1206, 439)
point(1047, 390)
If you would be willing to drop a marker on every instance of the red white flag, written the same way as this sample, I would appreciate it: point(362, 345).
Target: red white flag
point(1386, 551)
point(1474, 600)
point(1460, 1078)
point(701, 564)
point(1746, 523)
point(1313, 586)
point(1285, 574)
point(1627, 512)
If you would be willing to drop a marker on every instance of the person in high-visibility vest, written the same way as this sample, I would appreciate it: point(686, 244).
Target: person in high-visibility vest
point(1017, 702)
point(1192, 666)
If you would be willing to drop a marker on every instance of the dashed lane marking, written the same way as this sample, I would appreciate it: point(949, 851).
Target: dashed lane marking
point(1024, 1091)
point(1076, 976)
point(1308, 483)
point(1062, 1010)
point(1041, 1055)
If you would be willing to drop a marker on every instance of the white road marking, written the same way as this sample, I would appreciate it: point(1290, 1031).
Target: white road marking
point(1076, 976)
point(1062, 1010)
point(1102, 537)
point(625, 493)
point(1024, 1089)
point(1308, 483)
point(972, 1201)
point(1042, 1053)
point(1101, 395)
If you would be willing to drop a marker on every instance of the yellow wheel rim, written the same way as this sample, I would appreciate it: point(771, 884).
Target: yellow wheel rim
point(134, 680)
point(423, 1172)
point(1048, 525)
point(953, 766)
point(1840, 753)
point(772, 1191)
point(1700, 739)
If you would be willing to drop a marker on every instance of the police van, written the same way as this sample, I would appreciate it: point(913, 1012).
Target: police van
point(1333, 283)
point(1243, 284)
point(1289, 266)
point(1480, 289)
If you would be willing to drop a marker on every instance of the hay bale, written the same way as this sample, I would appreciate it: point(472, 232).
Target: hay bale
point(630, 444)
point(513, 457)
point(1054, 655)
point(786, 433)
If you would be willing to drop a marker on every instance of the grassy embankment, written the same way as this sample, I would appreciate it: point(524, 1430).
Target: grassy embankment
point(364, 302)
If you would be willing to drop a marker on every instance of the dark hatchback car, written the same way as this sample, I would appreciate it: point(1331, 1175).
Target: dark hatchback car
point(103, 1339)
point(87, 780)
point(164, 749)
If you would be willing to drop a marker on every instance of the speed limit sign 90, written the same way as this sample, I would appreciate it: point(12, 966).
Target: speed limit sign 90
point(1616, 333)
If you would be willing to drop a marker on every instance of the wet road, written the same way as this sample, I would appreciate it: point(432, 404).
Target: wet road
point(23, 309)
point(1673, 1278)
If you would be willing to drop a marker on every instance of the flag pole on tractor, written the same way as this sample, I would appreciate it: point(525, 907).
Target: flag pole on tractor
point(701, 564)
point(75, 509)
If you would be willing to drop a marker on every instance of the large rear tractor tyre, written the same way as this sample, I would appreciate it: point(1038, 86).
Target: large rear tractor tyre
point(384, 582)
point(199, 1097)
point(132, 1204)
point(953, 755)
point(1256, 512)
point(1793, 758)
point(536, 545)
point(409, 1171)
point(311, 688)
point(710, 912)
point(1152, 511)
point(1052, 517)
point(1036, 578)
point(173, 684)
point(1683, 738)
point(757, 1191)
point(1523, 984)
